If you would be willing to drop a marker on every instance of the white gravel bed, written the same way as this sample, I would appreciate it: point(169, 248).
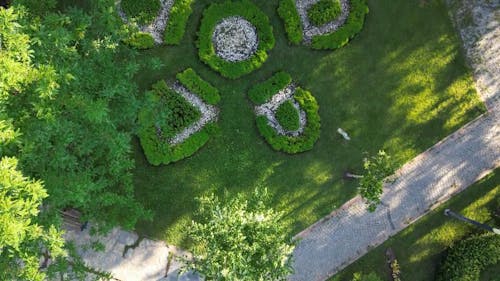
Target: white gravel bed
point(157, 27)
point(269, 110)
point(310, 30)
point(209, 114)
point(235, 39)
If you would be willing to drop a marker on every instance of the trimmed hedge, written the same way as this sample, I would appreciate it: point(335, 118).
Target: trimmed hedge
point(303, 142)
point(293, 26)
point(466, 260)
point(246, 9)
point(195, 84)
point(351, 27)
point(178, 17)
point(262, 93)
point(288, 116)
point(156, 147)
point(143, 11)
point(324, 11)
point(141, 40)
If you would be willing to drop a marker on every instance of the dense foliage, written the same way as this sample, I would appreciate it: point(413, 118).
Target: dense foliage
point(288, 116)
point(73, 102)
point(166, 113)
point(246, 9)
point(262, 92)
point(466, 260)
point(371, 185)
point(293, 26)
point(177, 20)
point(22, 238)
point(195, 84)
point(358, 276)
point(240, 240)
point(143, 11)
point(141, 40)
point(324, 11)
point(309, 136)
point(346, 32)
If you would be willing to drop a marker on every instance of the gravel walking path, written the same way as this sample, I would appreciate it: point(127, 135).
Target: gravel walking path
point(432, 177)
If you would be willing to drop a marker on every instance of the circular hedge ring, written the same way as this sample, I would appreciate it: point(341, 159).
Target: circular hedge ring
point(225, 13)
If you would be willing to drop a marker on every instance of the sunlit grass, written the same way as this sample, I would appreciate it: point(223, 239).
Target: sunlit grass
point(401, 85)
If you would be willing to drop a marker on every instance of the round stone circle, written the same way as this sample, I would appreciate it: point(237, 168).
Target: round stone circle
point(235, 39)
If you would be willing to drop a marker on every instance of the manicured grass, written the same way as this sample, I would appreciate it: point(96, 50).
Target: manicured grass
point(420, 247)
point(401, 85)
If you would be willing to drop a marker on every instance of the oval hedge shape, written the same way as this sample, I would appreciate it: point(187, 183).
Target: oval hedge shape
point(247, 10)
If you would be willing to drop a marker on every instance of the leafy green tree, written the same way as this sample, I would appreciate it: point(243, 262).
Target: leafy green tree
point(22, 239)
point(240, 240)
point(68, 91)
point(371, 184)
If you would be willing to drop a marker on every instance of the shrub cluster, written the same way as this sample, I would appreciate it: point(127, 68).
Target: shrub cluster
point(288, 116)
point(195, 84)
point(300, 143)
point(293, 26)
point(246, 9)
point(141, 40)
point(144, 11)
point(178, 17)
point(262, 93)
point(324, 12)
point(166, 114)
point(351, 27)
point(466, 260)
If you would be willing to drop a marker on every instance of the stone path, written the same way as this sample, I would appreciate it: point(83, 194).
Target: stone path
point(432, 177)
point(349, 232)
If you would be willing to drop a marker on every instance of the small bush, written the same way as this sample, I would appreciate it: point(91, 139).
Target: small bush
point(351, 27)
point(262, 93)
point(288, 116)
point(141, 41)
point(195, 84)
point(143, 11)
point(176, 26)
point(162, 118)
point(293, 26)
point(311, 132)
point(324, 12)
point(466, 260)
point(246, 9)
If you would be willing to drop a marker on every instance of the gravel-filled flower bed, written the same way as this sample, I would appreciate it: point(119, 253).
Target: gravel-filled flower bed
point(235, 39)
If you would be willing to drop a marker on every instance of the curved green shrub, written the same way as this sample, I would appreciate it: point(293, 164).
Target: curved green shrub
point(262, 93)
point(246, 9)
point(141, 40)
point(351, 27)
point(177, 19)
point(288, 116)
point(293, 26)
point(161, 119)
point(303, 142)
point(195, 84)
point(324, 11)
point(143, 11)
point(466, 260)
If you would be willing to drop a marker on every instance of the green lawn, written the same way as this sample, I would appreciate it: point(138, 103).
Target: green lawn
point(420, 247)
point(401, 85)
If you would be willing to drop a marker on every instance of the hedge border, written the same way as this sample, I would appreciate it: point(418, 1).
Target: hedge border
point(159, 152)
point(340, 37)
point(287, 10)
point(195, 84)
point(466, 260)
point(263, 92)
point(249, 11)
point(140, 40)
point(176, 26)
point(145, 17)
point(307, 102)
point(316, 11)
